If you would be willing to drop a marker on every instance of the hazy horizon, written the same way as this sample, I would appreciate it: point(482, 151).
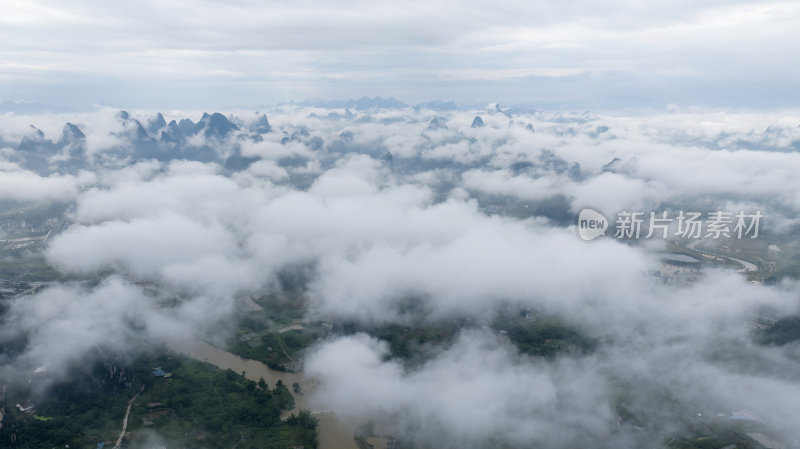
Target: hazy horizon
point(400, 225)
point(574, 54)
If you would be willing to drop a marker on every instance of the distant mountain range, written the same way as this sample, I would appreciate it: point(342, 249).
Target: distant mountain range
point(152, 139)
point(367, 103)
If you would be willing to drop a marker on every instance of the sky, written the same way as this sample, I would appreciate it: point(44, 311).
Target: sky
point(380, 209)
point(574, 54)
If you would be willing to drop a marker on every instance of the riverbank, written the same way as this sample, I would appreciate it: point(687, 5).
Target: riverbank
point(333, 433)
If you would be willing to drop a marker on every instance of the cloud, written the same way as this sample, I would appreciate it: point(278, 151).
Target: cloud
point(481, 391)
point(379, 211)
point(146, 245)
point(24, 185)
point(667, 355)
point(64, 324)
point(474, 267)
point(232, 52)
point(477, 391)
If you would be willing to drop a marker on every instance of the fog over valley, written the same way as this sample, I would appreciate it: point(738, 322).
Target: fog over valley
point(416, 270)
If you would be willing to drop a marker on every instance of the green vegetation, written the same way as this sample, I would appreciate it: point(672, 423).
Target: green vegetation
point(21, 269)
point(716, 435)
point(785, 330)
point(548, 339)
point(542, 335)
point(283, 308)
point(266, 347)
point(257, 336)
point(197, 406)
point(276, 350)
point(786, 260)
point(79, 412)
point(410, 343)
point(406, 342)
point(23, 228)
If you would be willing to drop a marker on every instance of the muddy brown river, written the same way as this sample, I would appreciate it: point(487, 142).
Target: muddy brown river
point(333, 434)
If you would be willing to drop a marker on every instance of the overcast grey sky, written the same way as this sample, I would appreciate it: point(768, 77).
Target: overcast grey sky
point(575, 53)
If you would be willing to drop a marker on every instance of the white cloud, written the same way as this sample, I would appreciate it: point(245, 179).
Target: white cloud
point(23, 185)
point(375, 233)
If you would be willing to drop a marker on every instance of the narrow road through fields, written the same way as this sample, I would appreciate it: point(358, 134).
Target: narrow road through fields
point(125, 420)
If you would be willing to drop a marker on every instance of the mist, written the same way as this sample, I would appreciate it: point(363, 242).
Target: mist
point(168, 230)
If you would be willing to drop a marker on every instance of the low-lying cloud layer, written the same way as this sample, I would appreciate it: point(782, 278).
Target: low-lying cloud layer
point(384, 205)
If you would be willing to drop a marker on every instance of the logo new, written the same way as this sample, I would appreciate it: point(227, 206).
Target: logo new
point(591, 224)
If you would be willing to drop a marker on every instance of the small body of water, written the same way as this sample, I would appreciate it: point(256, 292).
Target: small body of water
point(333, 434)
point(747, 267)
